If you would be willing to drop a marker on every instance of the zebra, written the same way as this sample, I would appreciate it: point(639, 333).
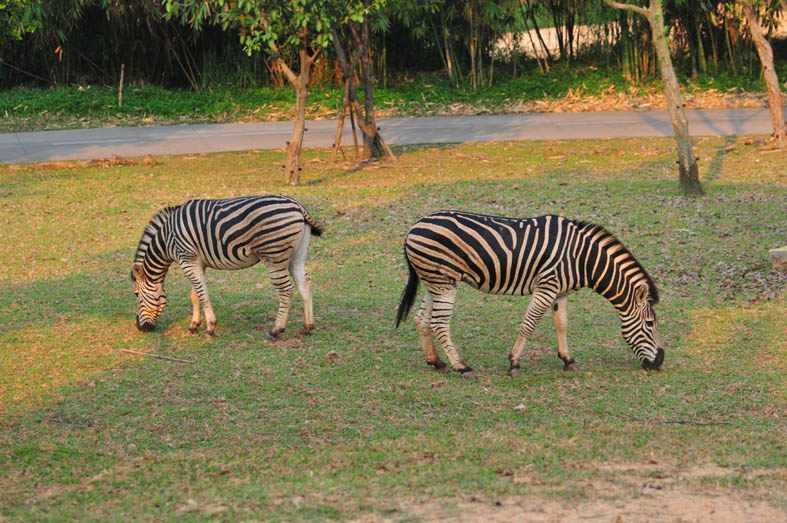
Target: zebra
point(232, 233)
point(547, 256)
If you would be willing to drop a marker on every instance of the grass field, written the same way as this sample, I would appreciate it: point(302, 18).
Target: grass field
point(275, 430)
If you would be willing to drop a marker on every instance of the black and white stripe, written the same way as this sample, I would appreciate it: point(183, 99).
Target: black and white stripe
point(546, 256)
point(227, 234)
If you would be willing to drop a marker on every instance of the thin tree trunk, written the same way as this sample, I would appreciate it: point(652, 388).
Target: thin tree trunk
point(687, 162)
point(765, 52)
point(293, 163)
point(352, 124)
point(371, 145)
point(447, 47)
point(301, 83)
point(368, 130)
point(337, 143)
point(538, 34)
point(472, 51)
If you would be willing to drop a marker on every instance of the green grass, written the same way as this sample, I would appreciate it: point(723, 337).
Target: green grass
point(277, 431)
point(30, 109)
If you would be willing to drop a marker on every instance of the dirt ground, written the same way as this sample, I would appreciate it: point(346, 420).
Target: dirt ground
point(631, 493)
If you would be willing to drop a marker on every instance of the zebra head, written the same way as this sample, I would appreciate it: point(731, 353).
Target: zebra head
point(150, 298)
point(640, 329)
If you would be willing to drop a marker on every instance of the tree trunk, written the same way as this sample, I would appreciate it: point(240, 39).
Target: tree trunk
point(765, 52)
point(337, 143)
point(447, 47)
point(472, 51)
point(538, 34)
point(292, 165)
point(372, 147)
point(369, 130)
point(687, 162)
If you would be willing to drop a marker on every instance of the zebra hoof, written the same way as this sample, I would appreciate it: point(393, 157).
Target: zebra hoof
point(514, 372)
point(440, 367)
point(468, 374)
point(193, 329)
point(211, 334)
point(571, 366)
point(306, 330)
point(271, 336)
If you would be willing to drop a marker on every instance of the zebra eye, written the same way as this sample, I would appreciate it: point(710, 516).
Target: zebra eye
point(650, 323)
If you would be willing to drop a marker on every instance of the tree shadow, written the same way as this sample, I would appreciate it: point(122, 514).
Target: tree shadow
point(715, 167)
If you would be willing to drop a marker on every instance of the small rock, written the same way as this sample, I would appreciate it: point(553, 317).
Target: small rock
point(333, 356)
point(779, 258)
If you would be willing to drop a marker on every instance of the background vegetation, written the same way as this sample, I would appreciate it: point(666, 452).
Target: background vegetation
point(277, 430)
point(473, 44)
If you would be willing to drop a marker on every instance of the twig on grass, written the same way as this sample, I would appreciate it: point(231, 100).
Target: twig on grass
point(159, 356)
point(669, 421)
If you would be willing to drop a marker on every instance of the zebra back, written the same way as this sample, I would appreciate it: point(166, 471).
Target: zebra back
point(494, 254)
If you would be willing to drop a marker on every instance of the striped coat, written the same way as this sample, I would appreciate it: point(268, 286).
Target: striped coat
point(546, 256)
point(226, 234)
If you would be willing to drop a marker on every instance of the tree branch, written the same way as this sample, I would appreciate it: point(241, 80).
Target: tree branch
point(628, 7)
point(287, 71)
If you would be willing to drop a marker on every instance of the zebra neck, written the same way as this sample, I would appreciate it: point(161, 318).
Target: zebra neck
point(154, 253)
point(613, 272)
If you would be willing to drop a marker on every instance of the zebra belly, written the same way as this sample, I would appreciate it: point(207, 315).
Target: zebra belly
point(242, 260)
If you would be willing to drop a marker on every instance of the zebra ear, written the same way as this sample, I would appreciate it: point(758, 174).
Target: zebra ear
point(641, 293)
point(136, 271)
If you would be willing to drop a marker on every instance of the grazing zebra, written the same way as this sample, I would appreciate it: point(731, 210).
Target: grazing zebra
point(233, 233)
point(547, 256)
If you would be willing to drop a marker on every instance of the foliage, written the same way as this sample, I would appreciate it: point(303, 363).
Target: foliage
point(176, 42)
point(13, 22)
point(255, 430)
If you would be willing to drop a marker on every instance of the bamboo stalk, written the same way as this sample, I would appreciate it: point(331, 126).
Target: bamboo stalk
point(120, 90)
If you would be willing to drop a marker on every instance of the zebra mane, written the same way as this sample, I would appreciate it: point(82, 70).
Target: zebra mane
point(150, 232)
point(593, 228)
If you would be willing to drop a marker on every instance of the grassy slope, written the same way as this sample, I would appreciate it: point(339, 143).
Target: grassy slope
point(25, 109)
point(276, 430)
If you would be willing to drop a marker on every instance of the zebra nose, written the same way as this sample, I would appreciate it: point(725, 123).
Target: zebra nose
point(145, 326)
point(654, 364)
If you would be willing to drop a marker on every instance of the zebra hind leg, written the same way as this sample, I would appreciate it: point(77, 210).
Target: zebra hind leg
point(195, 314)
point(280, 279)
point(443, 299)
point(423, 319)
point(560, 315)
point(303, 282)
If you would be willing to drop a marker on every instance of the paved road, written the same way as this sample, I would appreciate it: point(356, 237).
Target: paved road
point(189, 139)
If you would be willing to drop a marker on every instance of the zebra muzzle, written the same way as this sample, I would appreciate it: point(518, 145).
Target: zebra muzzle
point(145, 326)
point(654, 364)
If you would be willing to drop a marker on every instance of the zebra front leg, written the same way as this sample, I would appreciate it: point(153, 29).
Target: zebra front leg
point(560, 315)
point(195, 314)
point(443, 300)
point(542, 298)
point(280, 279)
point(303, 283)
point(423, 320)
point(196, 273)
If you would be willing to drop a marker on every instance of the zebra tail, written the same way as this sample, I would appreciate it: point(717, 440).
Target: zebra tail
point(408, 295)
point(317, 229)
